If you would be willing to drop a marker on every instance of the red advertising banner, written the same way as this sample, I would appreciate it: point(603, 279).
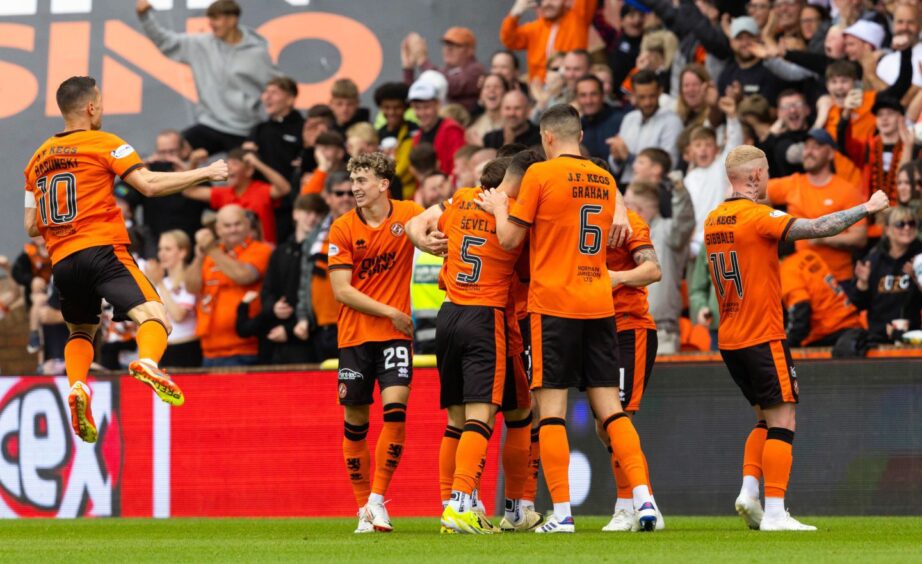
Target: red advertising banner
point(262, 444)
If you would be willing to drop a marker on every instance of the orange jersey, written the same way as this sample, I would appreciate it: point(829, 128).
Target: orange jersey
point(381, 261)
point(568, 204)
point(632, 310)
point(216, 320)
point(477, 271)
point(806, 200)
point(863, 121)
point(71, 176)
point(806, 278)
point(741, 244)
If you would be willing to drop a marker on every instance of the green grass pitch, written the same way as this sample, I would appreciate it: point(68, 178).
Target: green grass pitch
point(687, 539)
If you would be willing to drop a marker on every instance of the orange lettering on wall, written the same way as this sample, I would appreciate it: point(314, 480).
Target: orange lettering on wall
point(20, 86)
point(122, 88)
point(135, 48)
point(358, 47)
point(68, 55)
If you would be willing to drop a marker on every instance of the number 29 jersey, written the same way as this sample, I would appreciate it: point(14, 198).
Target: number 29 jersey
point(741, 241)
point(71, 176)
point(568, 203)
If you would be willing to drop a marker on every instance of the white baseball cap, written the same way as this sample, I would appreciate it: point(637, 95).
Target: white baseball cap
point(867, 31)
point(744, 24)
point(422, 91)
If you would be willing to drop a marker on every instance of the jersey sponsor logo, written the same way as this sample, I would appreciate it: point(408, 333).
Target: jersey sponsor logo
point(333, 250)
point(397, 229)
point(122, 152)
point(377, 265)
point(777, 213)
point(347, 375)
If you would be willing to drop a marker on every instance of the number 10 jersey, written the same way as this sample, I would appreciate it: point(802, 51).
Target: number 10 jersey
point(741, 241)
point(71, 177)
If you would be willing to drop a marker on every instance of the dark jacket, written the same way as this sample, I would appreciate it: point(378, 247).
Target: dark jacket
point(599, 127)
point(891, 294)
point(530, 137)
point(282, 279)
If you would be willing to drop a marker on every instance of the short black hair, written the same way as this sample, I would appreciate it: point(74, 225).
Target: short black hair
point(523, 160)
point(845, 69)
point(658, 157)
point(285, 84)
point(75, 91)
point(334, 178)
point(321, 111)
point(510, 149)
point(223, 8)
point(591, 78)
point(330, 139)
point(424, 158)
point(563, 120)
point(392, 91)
point(494, 171)
point(601, 163)
point(515, 58)
point(644, 77)
point(788, 92)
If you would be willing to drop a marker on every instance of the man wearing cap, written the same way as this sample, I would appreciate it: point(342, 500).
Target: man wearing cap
point(445, 134)
point(745, 67)
point(230, 67)
point(817, 192)
point(561, 26)
point(878, 155)
point(461, 68)
point(861, 38)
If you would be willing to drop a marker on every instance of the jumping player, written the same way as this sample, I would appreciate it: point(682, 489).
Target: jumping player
point(566, 205)
point(69, 201)
point(741, 239)
point(370, 264)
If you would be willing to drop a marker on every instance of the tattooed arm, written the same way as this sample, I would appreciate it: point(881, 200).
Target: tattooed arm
point(645, 273)
point(835, 223)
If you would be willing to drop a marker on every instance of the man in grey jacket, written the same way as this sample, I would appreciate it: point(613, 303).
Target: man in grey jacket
point(231, 66)
point(670, 238)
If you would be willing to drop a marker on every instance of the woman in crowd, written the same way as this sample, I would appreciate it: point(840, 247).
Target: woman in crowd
point(692, 105)
point(167, 275)
point(883, 283)
point(491, 97)
point(908, 182)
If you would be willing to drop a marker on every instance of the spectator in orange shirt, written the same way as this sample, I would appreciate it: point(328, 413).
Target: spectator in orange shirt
point(819, 312)
point(559, 28)
point(879, 153)
point(818, 192)
point(223, 271)
point(242, 189)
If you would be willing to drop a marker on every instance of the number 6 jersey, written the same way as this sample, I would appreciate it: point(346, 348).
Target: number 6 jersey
point(741, 241)
point(568, 203)
point(71, 177)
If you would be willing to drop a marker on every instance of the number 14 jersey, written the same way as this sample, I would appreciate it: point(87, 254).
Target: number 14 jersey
point(741, 241)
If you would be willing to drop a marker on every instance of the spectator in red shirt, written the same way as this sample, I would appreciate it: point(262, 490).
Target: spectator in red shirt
point(445, 134)
point(254, 195)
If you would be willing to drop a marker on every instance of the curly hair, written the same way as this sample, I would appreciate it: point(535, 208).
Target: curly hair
point(377, 163)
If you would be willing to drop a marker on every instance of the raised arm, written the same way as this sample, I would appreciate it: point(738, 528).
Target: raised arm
point(835, 223)
point(172, 44)
point(509, 234)
point(280, 186)
point(153, 184)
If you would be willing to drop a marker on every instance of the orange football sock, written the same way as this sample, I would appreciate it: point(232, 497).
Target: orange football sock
point(358, 461)
point(534, 462)
point(471, 455)
point(625, 444)
point(516, 453)
point(621, 481)
point(78, 356)
point(777, 459)
point(390, 446)
point(151, 340)
point(752, 454)
point(555, 454)
point(447, 454)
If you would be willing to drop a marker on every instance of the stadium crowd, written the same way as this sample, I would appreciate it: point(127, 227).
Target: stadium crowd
point(830, 90)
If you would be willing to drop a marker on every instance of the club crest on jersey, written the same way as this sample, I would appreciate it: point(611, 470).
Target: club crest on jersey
point(397, 229)
point(342, 390)
point(122, 152)
point(777, 213)
point(347, 374)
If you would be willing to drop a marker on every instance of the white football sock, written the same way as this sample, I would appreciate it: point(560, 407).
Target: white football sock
point(641, 496)
point(750, 487)
point(774, 507)
point(460, 501)
point(624, 504)
point(562, 510)
point(376, 499)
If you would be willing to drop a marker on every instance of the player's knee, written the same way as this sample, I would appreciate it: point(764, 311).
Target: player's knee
point(82, 331)
point(455, 416)
point(355, 414)
point(38, 285)
point(602, 434)
point(515, 417)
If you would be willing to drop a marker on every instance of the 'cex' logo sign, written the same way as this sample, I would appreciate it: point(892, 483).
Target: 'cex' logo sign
point(46, 470)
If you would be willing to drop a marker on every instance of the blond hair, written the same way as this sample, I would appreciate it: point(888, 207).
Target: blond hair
point(364, 131)
point(744, 158)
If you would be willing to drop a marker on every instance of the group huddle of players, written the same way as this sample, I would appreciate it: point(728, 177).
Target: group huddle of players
point(543, 256)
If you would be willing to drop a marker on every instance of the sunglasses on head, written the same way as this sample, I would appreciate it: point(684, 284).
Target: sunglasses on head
point(904, 224)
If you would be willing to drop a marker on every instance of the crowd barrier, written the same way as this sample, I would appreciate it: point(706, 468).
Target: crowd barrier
point(268, 444)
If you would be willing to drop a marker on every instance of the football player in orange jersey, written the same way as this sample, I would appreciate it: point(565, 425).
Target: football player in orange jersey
point(370, 264)
point(479, 348)
point(69, 201)
point(566, 205)
point(741, 240)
